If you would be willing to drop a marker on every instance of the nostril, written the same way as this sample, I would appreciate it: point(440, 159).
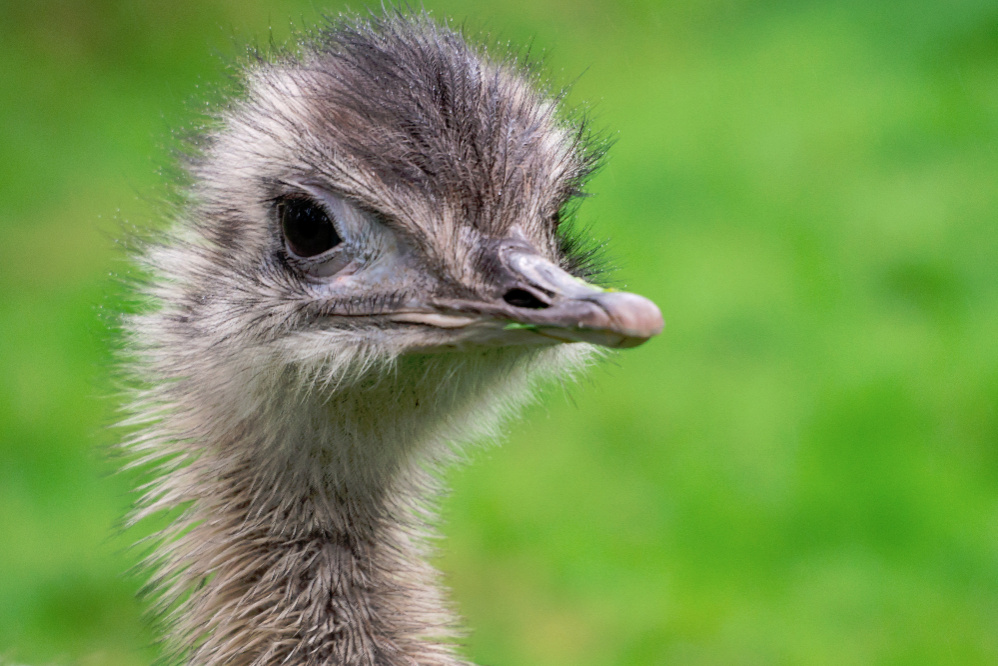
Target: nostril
point(521, 298)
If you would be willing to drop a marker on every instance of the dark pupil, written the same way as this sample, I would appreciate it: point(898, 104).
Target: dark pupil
point(307, 228)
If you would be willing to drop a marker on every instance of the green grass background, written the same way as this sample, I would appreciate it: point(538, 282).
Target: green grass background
point(802, 470)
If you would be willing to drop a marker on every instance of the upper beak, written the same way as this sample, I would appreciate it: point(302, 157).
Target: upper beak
point(539, 300)
point(567, 308)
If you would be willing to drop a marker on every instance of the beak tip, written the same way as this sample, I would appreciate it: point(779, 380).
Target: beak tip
point(635, 317)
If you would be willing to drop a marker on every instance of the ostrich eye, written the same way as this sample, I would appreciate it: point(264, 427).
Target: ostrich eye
point(308, 231)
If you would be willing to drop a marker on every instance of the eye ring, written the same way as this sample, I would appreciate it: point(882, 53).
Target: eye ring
point(306, 226)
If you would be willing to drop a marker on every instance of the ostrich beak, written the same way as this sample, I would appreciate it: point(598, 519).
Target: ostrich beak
point(538, 302)
point(548, 301)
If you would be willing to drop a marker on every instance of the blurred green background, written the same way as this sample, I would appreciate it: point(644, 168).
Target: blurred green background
point(802, 470)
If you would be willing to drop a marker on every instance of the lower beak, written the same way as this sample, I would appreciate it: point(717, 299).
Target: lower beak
point(612, 319)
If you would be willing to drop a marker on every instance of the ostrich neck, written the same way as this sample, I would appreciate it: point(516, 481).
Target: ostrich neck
point(306, 543)
point(303, 540)
point(313, 552)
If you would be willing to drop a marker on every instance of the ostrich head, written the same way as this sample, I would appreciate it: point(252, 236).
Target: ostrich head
point(371, 265)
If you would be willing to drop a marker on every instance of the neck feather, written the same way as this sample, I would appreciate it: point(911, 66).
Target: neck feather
point(306, 522)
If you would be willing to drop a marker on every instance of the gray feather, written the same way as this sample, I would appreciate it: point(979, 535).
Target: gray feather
point(301, 449)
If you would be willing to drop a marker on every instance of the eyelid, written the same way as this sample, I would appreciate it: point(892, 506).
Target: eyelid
point(381, 217)
point(323, 193)
point(341, 208)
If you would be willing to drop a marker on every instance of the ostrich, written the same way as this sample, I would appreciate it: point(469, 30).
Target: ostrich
point(368, 266)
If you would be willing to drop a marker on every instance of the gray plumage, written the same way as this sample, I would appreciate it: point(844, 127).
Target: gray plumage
point(369, 267)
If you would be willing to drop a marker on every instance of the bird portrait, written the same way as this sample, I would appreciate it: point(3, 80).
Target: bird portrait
point(371, 266)
point(332, 333)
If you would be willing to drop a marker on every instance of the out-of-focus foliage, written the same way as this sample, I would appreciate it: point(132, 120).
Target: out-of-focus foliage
point(802, 470)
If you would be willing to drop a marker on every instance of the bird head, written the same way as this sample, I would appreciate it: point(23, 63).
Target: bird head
point(390, 191)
